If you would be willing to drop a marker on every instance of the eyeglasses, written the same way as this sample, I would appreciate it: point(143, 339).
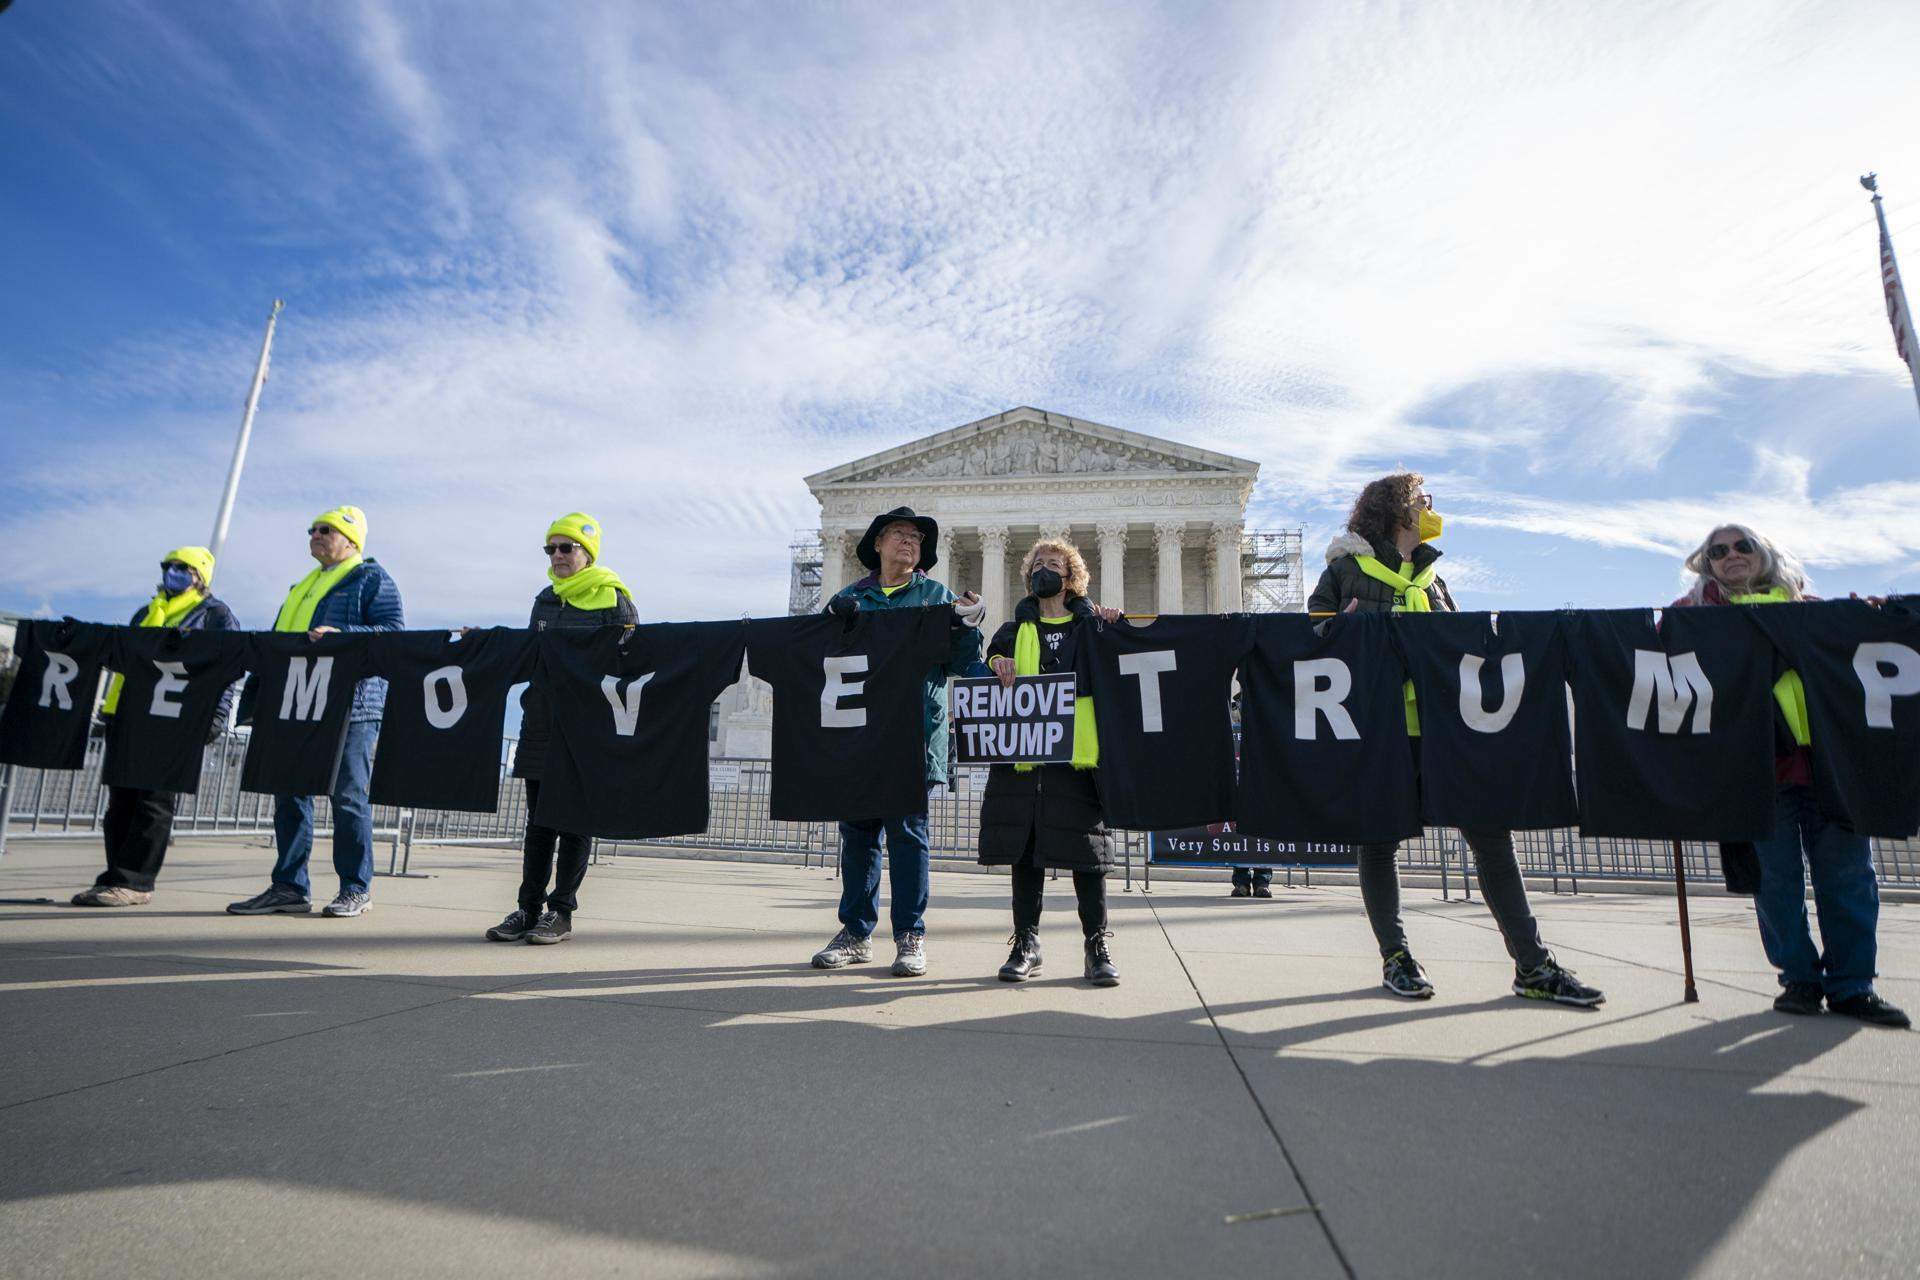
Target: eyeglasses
point(315, 530)
point(1423, 500)
point(561, 548)
point(1720, 550)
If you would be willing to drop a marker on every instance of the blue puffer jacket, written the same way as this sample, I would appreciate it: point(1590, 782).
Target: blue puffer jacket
point(963, 655)
point(364, 600)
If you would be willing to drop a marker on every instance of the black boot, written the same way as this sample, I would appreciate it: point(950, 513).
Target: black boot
point(1101, 971)
point(1024, 963)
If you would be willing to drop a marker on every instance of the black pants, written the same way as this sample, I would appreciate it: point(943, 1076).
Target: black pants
point(1248, 877)
point(1089, 887)
point(1500, 884)
point(537, 864)
point(136, 826)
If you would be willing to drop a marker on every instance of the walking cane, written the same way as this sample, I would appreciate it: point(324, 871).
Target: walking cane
point(1686, 932)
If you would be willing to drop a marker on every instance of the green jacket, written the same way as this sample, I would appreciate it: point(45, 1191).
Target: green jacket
point(963, 654)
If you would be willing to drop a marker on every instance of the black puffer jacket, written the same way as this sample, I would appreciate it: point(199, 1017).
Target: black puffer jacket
point(536, 719)
point(1344, 580)
point(1055, 807)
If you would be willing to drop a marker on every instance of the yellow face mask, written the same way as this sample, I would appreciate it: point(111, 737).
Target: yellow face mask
point(1429, 524)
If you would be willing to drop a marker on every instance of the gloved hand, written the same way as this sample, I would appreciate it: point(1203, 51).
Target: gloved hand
point(968, 611)
point(843, 606)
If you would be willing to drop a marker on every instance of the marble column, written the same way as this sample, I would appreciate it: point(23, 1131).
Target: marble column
point(833, 562)
point(1110, 578)
point(1225, 538)
point(993, 575)
point(1167, 537)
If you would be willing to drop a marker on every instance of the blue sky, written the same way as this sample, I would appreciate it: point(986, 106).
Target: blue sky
point(1602, 272)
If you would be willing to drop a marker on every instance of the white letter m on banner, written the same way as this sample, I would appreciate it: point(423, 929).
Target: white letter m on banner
point(1677, 684)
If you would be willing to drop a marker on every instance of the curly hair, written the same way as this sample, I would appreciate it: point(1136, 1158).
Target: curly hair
point(1384, 506)
point(1076, 575)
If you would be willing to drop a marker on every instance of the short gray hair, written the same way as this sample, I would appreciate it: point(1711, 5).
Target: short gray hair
point(1778, 568)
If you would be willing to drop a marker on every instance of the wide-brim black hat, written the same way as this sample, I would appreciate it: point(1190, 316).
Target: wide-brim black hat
point(929, 538)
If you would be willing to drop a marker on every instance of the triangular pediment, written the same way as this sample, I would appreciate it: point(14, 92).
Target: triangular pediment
point(1028, 442)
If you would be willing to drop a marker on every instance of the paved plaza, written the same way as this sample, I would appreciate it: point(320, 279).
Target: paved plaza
point(675, 1093)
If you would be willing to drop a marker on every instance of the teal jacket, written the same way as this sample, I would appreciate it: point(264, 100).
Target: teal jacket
point(963, 655)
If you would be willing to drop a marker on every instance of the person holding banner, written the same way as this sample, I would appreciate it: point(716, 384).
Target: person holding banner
point(1037, 818)
point(898, 548)
point(1736, 565)
point(580, 592)
point(1386, 561)
point(138, 824)
point(346, 592)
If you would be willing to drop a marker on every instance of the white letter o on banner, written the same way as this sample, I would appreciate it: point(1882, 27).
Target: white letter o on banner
point(449, 716)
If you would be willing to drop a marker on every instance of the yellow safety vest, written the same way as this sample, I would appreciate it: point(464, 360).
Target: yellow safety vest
point(1788, 691)
point(1409, 596)
point(1026, 662)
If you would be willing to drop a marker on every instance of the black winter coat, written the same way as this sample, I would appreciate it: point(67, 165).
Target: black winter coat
point(1055, 810)
point(1344, 580)
point(536, 716)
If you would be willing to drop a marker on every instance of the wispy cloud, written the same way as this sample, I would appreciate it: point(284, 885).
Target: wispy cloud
point(660, 263)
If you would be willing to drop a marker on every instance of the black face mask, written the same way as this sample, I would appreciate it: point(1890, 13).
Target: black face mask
point(1045, 583)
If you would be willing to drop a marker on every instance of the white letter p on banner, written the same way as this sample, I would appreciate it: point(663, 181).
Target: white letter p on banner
point(1881, 689)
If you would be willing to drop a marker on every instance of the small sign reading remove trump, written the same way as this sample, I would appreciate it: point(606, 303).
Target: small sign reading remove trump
point(1030, 723)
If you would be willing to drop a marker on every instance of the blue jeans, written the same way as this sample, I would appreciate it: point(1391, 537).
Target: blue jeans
point(860, 873)
point(352, 820)
point(1845, 894)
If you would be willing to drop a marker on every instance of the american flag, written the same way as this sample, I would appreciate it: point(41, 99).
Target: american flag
point(1898, 313)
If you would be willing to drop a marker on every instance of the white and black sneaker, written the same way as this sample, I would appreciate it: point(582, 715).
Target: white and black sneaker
point(554, 926)
point(910, 954)
point(845, 949)
point(348, 905)
point(1403, 976)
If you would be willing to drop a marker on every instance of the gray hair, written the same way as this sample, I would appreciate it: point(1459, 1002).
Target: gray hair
point(1778, 568)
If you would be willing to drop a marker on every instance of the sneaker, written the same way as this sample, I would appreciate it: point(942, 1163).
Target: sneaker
point(348, 905)
point(513, 928)
point(1869, 1007)
point(1101, 971)
point(1241, 891)
point(278, 898)
point(114, 895)
point(554, 926)
point(1551, 982)
point(1798, 997)
point(1262, 891)
point(1403, 976)
point(1024, 961)
point(845, 949)
point(910, 954)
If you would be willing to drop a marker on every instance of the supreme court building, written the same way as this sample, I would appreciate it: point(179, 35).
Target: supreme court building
point(1162, 526)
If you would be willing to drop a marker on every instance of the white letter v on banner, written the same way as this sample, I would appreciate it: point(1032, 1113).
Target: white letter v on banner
point(625, 702)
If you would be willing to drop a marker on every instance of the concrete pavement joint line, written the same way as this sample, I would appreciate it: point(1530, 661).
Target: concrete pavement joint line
point(1312, 1206)
point(245, 1048)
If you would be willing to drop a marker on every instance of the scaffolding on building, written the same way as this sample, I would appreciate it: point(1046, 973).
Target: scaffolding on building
point(1271, 571)
point(803, 575)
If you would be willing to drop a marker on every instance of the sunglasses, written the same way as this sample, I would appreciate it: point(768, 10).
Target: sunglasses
point(315, 529)
point(1720, 550)
point(560, 548)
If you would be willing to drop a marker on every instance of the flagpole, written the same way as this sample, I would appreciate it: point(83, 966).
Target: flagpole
point(1898, 314)
point(225, 515)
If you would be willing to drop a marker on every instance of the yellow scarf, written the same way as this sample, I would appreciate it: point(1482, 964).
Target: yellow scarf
point(1788, 691)
point(1411, 597)
point(162, 611)
point(591, 588)
point(1026, 662)
point(297, 613)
